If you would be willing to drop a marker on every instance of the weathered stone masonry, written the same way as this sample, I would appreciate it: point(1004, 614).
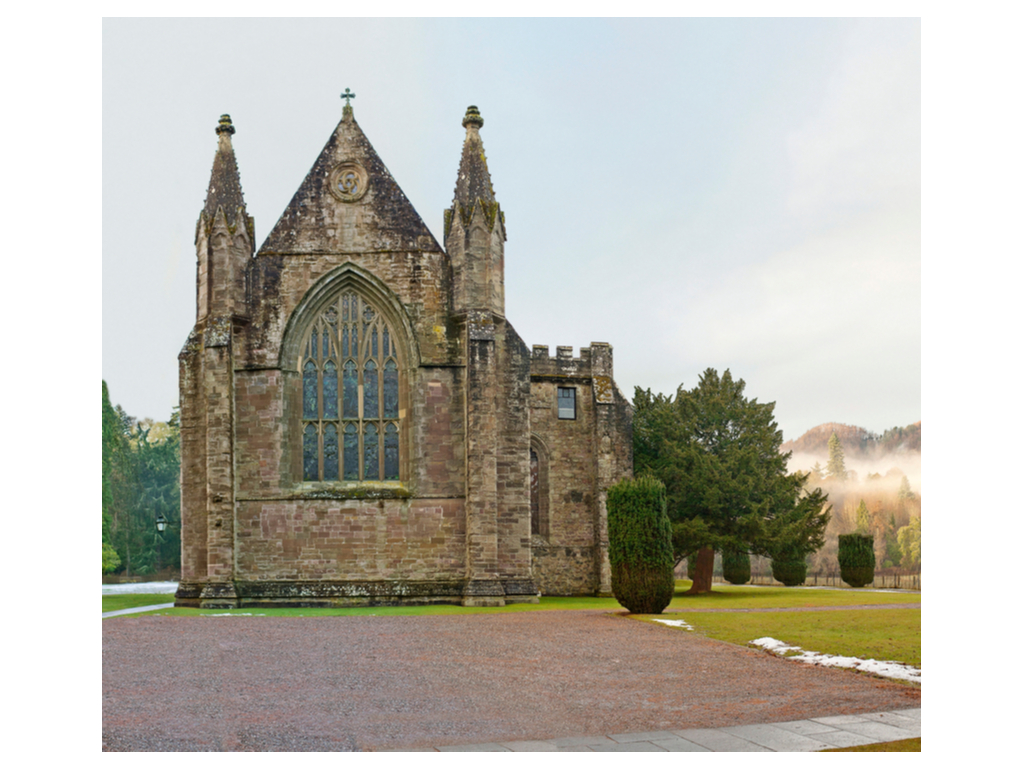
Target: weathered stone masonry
point(410, 450)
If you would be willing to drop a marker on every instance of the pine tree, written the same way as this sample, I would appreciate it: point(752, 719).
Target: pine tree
point(863, 518)
point(836, 467)
point(904, 493)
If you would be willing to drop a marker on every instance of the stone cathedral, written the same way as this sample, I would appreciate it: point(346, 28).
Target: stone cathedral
point(361, 424)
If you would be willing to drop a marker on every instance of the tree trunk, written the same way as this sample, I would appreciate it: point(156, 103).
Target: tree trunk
point(702, 572)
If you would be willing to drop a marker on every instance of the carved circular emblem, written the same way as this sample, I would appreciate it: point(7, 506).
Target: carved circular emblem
point(349, 182)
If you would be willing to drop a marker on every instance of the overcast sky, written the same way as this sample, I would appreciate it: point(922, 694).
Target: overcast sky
point(724, 193)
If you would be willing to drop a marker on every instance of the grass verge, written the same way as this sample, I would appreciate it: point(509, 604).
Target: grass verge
point(120, 602)
point(903, 745)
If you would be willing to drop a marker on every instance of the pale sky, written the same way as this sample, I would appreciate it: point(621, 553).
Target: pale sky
point(726, 193)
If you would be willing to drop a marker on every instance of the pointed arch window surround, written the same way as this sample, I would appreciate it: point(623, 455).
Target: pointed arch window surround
point(350, 391)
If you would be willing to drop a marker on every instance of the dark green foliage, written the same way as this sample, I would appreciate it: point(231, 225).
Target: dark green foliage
point(140, 483)
point(727, 484)
point(857, 559)
point(640, 545)
point(792, 572)
point(736, 567)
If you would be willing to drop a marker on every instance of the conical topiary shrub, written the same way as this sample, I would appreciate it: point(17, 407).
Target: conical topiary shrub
point(640, 545)
point(736, 567)
point(857, 558)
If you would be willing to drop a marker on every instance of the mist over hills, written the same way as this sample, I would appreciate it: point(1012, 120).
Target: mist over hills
point(857, 442)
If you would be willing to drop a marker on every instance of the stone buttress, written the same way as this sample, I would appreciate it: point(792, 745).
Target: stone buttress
point(224, 246)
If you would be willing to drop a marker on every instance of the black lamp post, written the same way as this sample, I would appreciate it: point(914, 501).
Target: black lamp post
point(161, 525)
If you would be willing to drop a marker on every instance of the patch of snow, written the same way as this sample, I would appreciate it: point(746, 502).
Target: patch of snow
point(674, 623)
point(142, 588)
point(890, 669)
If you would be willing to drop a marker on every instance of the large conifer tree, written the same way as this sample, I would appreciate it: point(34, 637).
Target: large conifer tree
point(718, 454)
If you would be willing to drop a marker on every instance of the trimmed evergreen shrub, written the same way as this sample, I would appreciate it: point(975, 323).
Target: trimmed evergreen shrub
point(857, 558)
point(640, 545)
point(791, 573)
point(736, 567)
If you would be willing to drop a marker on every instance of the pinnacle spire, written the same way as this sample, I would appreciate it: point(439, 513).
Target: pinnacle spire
point(225, 190)
point(474, 180)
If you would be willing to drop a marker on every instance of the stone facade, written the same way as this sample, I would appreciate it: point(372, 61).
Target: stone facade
point(360, 422)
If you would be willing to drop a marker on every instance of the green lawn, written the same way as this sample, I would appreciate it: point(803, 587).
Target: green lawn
point(729, 596)
point(120, 602)
point(546, 604)
point(883, 635)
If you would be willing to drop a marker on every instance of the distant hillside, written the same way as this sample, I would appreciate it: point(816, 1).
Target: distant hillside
point(857, 442)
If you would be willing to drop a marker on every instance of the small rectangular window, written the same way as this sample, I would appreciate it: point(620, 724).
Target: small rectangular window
point(566, 403)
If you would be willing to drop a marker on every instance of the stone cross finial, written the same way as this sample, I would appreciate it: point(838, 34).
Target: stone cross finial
point(348, 96)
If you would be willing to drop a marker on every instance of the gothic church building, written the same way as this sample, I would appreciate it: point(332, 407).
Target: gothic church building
point(361, 424)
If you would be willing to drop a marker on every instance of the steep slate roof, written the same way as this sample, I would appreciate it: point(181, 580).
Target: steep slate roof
point(474, 180)
point(316, 221)
point(225, 190)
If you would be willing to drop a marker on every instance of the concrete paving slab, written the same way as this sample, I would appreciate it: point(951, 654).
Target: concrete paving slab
point(882, 731)
point(777, 739)
point(632, 746)
point(805, 727)
point(529, 746)
point(844, 739)
point(580, 741)
point(488, 747)
point(916, 712)
point(624, 738)
point(716, 740)
point(676, 744)
point(839, 721)
point(897, 719)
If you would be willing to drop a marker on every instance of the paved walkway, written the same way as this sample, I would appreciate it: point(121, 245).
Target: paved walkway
point(811, 735)
point(140, 609)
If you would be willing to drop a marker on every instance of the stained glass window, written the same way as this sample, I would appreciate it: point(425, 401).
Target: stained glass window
point(371, 446)
point(351, 429)
point(310, 454)
point(330, 390)
point(391, 452)
point(309, 395)
point(351, 451)
point(330, 451)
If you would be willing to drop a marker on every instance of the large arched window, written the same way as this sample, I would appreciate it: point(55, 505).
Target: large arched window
point(350, 415)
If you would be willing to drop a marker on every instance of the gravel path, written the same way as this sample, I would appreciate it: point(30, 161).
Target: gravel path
point(236, 683)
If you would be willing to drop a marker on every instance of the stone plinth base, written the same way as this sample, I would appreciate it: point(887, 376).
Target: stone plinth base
point(334, 594)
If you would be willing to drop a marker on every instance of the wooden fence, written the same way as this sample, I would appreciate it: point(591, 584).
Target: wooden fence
point(882, 580)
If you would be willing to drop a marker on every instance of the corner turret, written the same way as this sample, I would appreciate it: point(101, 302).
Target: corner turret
point(224, 236)
point(474, 229)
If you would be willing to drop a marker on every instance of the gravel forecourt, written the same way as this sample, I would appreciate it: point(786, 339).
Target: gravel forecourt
point(350, 683)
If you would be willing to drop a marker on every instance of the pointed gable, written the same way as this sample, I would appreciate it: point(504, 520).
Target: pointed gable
point(349, 203)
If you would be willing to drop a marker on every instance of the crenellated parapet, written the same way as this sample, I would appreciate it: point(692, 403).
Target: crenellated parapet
point(595, 360)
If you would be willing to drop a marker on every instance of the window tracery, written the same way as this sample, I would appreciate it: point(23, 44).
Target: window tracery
point(350, 432)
